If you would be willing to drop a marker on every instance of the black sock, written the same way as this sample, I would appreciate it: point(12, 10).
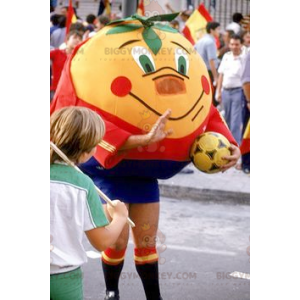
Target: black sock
point(149, 277)
point(111, 275)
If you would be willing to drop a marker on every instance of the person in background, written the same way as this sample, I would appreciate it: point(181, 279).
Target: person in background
point(54, 19)
point(236, 24)
point(58, 58)
point(64, 10)
point(75, 207)
point(53, 4)
point(90, 22)
point(59, 35)
point(246, 38)
point(100, 22)
point(78, 26)
point(246, 110)
point(207, 49)
point(182, 19)
point(175, 24)
point(225, 47)
point(229, 88)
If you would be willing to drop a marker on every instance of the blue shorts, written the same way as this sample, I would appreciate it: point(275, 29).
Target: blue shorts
point(129, 189)
point(131, 181)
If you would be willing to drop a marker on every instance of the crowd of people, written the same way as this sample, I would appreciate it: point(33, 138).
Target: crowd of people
point(225, 66)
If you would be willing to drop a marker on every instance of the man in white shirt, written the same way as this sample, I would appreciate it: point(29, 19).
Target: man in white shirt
point(229, 88)
point(235, 25)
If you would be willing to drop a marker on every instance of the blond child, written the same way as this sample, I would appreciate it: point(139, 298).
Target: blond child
point(75, 207)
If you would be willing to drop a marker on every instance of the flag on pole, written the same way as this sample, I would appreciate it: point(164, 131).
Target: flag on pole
point(245, 145)
point(104, 6)
point(141, 8)
point(195, 26)
point(71, 17)
point(107, 7)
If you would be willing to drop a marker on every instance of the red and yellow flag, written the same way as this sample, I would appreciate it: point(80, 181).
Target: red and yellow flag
point(141, 8)
point(195, 26)
point(71, 17)
point(245, 145)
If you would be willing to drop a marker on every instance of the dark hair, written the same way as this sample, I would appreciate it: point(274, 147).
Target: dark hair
point(237, 17)
point(212, 26)
point(78, 26)
point(230, 32)
point(236, 37)
point(55, 19)
point(104, 20)
point(74, 32)
point(62, 21)
point(90, 18)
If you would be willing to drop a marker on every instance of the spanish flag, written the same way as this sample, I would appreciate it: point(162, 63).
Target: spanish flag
point(195, 26)
point(245, 145)
point(141, 8)
point(71, 17)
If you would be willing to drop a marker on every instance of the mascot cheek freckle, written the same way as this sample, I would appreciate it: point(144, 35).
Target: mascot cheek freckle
point(205, 85)
point(121, 86)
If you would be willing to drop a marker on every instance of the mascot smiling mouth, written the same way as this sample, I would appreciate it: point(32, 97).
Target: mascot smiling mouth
point(166, 84)
point(172, 119)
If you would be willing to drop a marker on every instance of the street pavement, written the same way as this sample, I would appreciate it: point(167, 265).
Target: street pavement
point(200, 243)
point(233, 186)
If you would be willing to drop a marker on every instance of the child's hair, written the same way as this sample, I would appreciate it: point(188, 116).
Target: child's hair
point(74, 32)
point(75, 130)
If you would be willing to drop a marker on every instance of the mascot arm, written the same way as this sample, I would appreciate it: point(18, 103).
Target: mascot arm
point(217, 124)
point(108, 154)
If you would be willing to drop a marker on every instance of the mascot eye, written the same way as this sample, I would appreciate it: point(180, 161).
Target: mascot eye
point(144, 59)
point(182, 61)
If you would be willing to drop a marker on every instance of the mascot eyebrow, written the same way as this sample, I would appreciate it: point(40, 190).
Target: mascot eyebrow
point(128, 43)
point(181, 46)
point(150, 37)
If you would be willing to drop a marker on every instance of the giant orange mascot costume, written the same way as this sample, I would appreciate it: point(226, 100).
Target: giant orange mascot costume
point(131, 72)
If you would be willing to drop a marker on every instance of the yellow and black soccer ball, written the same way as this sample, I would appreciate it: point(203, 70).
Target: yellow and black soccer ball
point(208, 150)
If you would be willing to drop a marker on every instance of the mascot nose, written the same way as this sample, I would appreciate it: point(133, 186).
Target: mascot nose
point(169, 85)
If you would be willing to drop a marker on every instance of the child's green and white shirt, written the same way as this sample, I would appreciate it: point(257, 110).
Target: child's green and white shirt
point(75, 207)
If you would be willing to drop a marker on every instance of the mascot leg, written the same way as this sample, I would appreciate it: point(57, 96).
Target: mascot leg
point(146, 218)
point(112, 264)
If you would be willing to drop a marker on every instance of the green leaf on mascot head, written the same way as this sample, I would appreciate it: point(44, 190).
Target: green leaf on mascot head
point(124, 28)
point(165, 28)
point(150, 37)
point(152, 40)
